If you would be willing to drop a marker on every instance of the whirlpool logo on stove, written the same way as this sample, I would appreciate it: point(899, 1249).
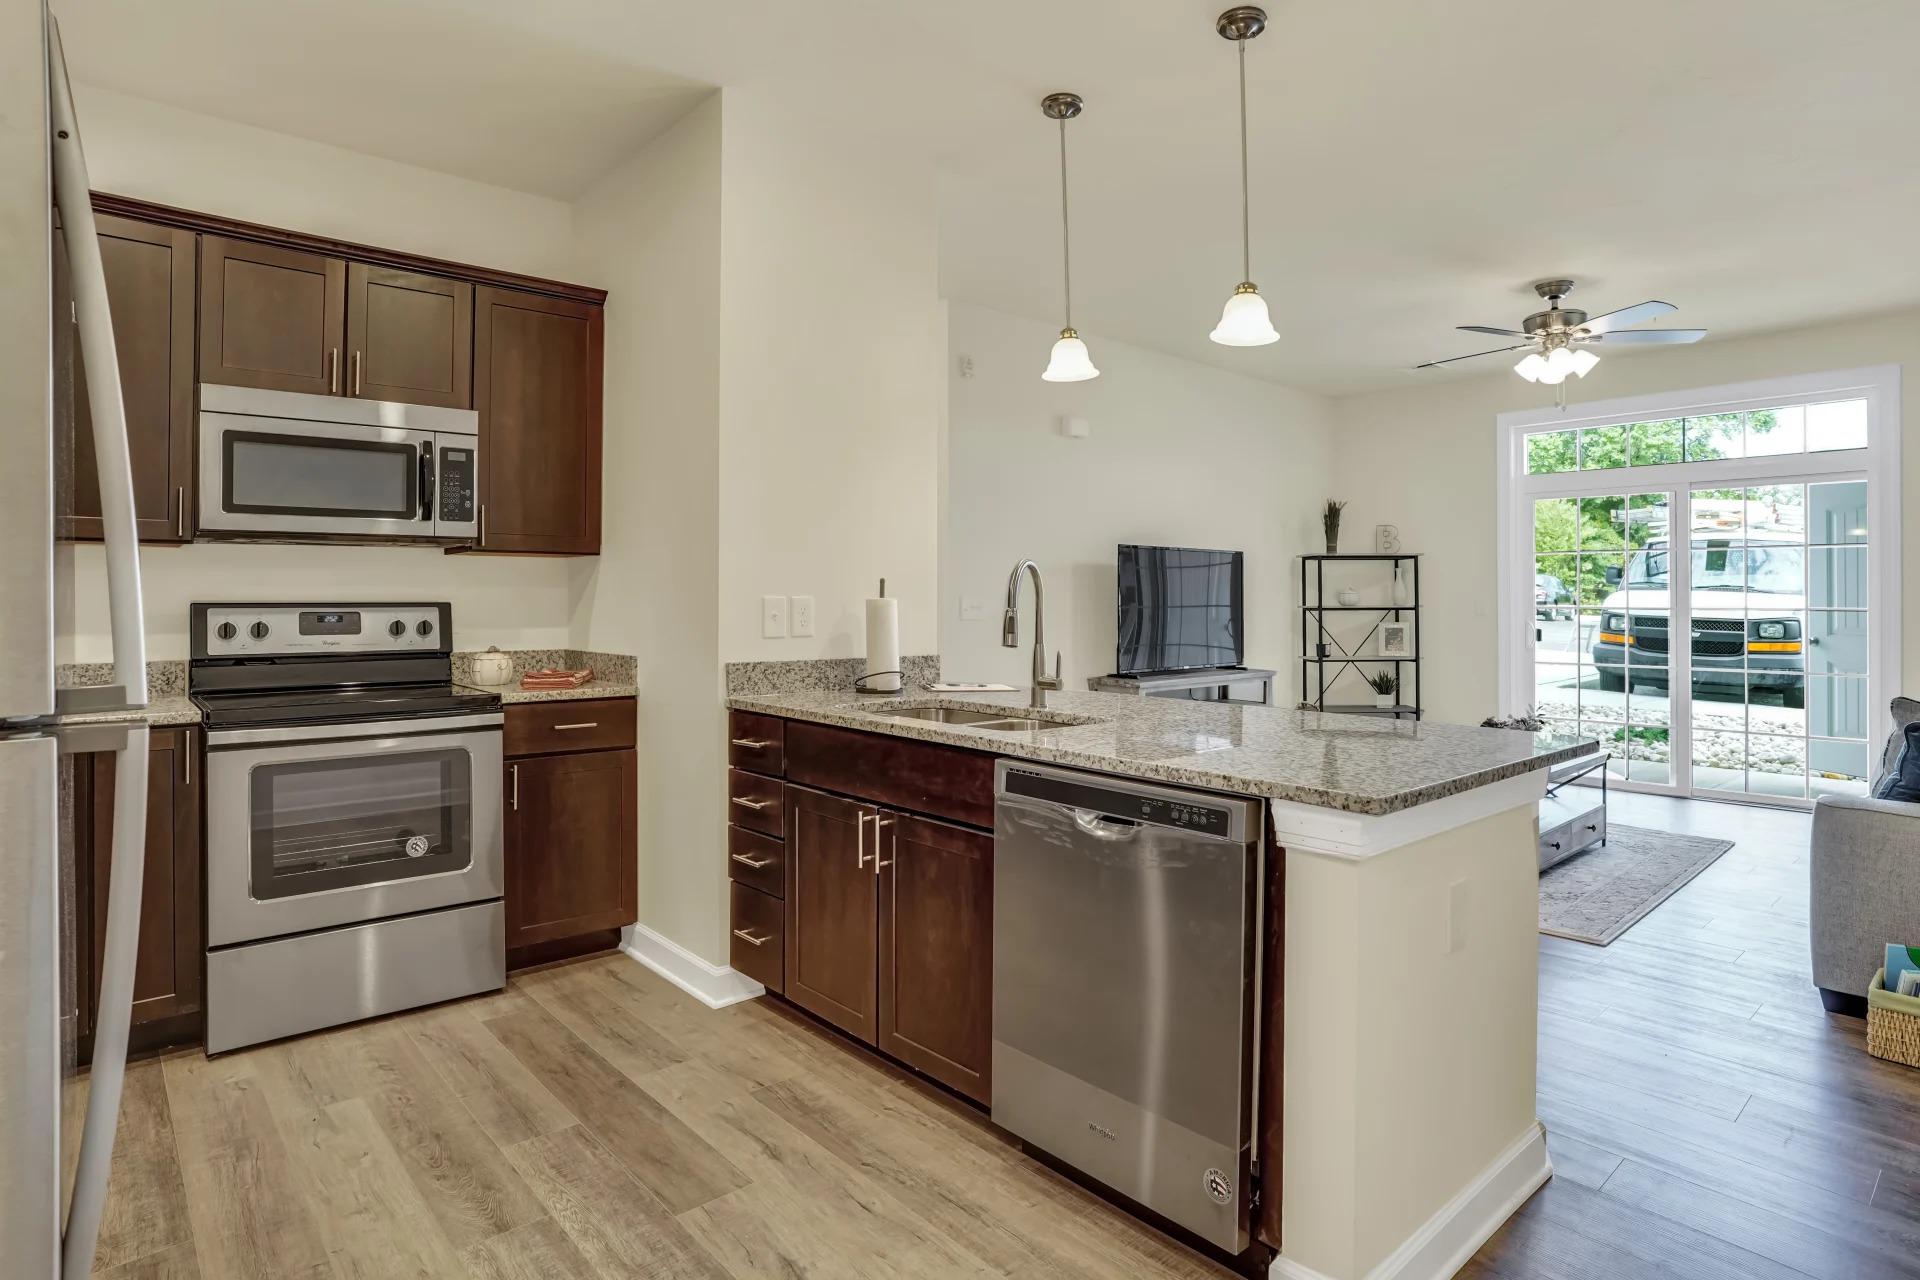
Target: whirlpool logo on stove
point(1103, 1131)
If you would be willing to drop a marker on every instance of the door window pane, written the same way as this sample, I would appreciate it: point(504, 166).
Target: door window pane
point(1653, 444)
point(1776, 431)
point(1600, 576)
point(1603, 522)
point(1839, 425)
point(1555, 524)
point(1556, 692)
point(1837, 768)
point(1837, 578)
point(1777, 513)
point(1837, 513)
point(1837, 707)
point(1836, 643)
point(1776, 766)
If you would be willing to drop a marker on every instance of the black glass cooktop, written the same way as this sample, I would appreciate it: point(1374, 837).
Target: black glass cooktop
point(335, 705)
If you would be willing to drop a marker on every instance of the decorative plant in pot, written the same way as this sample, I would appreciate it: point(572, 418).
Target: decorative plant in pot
point(1330, 522)
point(1386, 688)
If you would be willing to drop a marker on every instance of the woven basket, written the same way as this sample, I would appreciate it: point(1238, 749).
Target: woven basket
point(1893, 1024)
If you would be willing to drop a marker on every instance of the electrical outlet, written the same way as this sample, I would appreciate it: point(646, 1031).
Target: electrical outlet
point(773, 617)
point(972, 608)
point(800, 617)
point(1459, 904)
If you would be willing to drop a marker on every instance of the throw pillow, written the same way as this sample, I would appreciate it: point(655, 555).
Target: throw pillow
point(1903, 780)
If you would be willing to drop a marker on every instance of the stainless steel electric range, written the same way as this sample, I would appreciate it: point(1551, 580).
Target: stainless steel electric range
point(353, 817)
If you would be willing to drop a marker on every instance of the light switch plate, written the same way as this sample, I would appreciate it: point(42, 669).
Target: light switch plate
point(801, 616)
point(773, 617)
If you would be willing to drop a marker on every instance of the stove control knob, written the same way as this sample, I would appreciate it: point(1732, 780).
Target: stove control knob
point(259, 630)
point(226, 631)
point(425, 628)
point(396, 628)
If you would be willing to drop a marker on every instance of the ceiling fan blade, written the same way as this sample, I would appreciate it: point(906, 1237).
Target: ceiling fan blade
point(1639, 313)
point(1434, 364)
point(1498, 333)
point(1652, 335)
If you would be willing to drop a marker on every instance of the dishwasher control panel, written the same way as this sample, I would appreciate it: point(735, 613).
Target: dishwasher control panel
point(1184, 811)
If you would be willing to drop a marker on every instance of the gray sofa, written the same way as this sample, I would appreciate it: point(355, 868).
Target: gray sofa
point(1865, 882)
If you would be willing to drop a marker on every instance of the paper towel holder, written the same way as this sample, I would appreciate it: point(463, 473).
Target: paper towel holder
point(860, 681)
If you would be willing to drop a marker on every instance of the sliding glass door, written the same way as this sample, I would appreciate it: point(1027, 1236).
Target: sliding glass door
point(1697, 593)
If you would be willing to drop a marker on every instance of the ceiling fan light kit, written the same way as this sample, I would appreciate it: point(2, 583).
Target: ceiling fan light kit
point(1069, 360)
point(1244, 321)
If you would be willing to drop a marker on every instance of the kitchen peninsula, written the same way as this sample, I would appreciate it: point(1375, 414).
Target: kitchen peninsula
point(1392, 1082)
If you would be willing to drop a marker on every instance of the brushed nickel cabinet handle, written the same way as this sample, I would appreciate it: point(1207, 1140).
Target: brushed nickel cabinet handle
point(358, 365)
point(333, 371)
point(483, 524)
point(752, 744)
point(755, 863)
point(749, 939)
point(860, 859)
point(879, 822)
point(753, 804)
point(582, 724)
point(186, 759)
point(514, 772)
point(180, 512)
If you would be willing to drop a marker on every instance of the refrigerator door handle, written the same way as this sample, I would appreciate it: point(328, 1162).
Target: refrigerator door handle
point(115, 468)
point(114, 1017)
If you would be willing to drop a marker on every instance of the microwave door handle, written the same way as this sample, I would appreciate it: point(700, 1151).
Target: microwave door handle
point(113, 1019)
point(426, 480)
point(114, 467)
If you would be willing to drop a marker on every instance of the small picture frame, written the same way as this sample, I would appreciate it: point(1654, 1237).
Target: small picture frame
point(1396, 639)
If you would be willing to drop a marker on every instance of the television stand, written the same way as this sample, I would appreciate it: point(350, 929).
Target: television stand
point(1245, 686)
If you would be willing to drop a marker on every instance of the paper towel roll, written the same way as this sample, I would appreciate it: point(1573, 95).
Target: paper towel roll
point(883, 647)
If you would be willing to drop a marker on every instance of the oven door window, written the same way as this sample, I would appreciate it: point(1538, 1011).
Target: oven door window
point(341, 823)
point(271, 474)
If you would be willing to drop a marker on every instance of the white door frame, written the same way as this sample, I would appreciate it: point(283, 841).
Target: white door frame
point(1879, 462)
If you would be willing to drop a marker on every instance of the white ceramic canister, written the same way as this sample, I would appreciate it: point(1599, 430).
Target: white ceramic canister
point(492, 667)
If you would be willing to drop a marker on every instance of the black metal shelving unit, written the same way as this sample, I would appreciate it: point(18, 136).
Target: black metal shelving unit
point(1328, 657)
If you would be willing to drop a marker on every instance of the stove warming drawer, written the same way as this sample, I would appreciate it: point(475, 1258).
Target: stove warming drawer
point(265, 990)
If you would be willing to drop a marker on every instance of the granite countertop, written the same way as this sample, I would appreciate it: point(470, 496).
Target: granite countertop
point(598, 687)
point(162, 709)
point(1359, 764)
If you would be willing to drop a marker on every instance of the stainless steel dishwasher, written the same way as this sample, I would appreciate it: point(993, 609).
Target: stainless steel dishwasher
point(1126, 921)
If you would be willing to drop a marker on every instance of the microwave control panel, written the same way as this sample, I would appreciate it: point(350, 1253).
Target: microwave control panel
point(457, 489)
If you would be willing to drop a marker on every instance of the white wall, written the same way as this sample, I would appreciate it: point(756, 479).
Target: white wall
point(160, 153)
point(1180, 454)
point(1423, 458)
point(831, 382)
point(650, 233)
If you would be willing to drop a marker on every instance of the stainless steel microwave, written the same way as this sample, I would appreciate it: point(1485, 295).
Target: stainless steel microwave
point(284, 464)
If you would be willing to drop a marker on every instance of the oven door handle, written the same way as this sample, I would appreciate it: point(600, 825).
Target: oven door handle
point(426, 480)
point(430, 726)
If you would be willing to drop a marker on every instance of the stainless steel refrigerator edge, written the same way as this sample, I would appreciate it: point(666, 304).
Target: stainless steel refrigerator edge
point(1126, 943)
point(40, 159)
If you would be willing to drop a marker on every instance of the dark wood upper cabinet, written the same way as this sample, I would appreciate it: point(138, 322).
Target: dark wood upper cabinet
point(409, 337)
point(537, 385)
point(832, 910)
point(571, 835)
point(271, 317)
point(936, 951)
point(150, 287)
point(168, 965)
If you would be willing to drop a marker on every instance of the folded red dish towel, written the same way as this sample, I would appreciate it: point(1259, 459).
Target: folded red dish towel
point(554, 678)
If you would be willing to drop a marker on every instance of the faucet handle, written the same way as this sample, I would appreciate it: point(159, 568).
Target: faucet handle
point(1053, 681)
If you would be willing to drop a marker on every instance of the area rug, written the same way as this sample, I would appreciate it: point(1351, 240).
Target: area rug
point(1598, 895)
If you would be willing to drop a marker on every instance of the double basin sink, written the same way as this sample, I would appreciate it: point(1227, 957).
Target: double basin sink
point(999, 720)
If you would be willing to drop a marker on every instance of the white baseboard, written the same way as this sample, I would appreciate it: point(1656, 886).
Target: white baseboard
point(1445, 1241)
point(713, 985)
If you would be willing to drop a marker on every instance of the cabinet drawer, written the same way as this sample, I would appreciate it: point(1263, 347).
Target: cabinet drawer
point(757, 944)
point(758, 860)
point(754, 801)
point(922, 777)
point(593, 724)
point(1562, 841)
point(756, 742)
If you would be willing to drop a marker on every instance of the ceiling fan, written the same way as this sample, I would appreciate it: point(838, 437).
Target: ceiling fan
point(1558, 341)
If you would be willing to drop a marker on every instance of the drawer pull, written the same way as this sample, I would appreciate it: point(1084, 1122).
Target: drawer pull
point(1554, 845)
point(755, 863)
point(753, 804)
point(584, 724)
point(752, 744)
point(750, 940)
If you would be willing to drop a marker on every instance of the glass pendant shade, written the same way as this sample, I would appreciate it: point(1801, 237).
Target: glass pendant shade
point(1583, 361)
point(1069, 361)
point(1531, 366)
point(1244, 321)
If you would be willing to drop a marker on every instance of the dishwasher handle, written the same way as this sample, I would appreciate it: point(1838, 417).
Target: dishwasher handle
point(1103, 826)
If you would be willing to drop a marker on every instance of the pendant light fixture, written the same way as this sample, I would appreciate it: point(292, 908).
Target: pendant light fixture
point(1244, 321)
point(1069, 361)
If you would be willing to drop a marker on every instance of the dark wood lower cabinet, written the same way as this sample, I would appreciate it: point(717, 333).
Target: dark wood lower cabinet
point(936, 950)
point(833, 900)
point(169, 966)
point(570, 845)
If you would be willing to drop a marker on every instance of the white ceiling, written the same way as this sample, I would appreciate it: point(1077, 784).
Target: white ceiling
point(1416, 164)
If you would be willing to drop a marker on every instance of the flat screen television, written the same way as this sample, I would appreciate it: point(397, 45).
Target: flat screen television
point(1180, 609)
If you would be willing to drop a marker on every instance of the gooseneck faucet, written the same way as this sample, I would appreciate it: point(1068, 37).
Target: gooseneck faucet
point(1010, 630)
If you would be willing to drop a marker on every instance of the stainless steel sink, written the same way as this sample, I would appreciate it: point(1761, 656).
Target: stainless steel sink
point(997, 720)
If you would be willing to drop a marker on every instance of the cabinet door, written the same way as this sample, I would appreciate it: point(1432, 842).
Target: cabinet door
point(936, 951)
point(571, 845)
point(150, 281)
point(270, 317)
point(536, 384)
point(167, 969)
point(832, 910)
point(409, 337)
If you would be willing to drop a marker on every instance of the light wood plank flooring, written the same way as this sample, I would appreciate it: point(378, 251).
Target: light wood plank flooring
point(593, 1121)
